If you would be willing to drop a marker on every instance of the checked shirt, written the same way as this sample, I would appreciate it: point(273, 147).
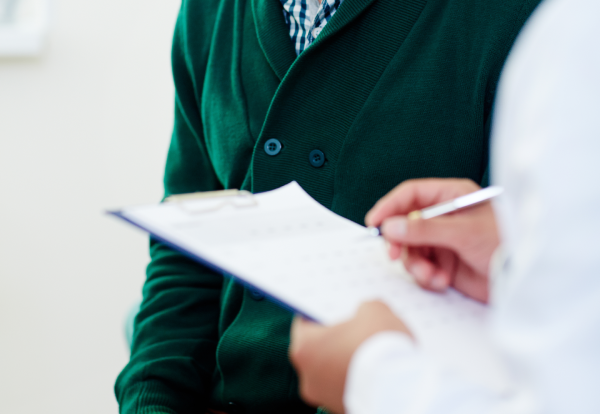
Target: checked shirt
point(306, 19)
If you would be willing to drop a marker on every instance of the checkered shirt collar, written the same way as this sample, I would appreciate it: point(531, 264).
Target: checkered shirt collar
point(298, 16)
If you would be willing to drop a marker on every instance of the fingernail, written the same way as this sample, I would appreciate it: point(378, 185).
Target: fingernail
point(418, 272)
point(395, 227)
point(438, 283)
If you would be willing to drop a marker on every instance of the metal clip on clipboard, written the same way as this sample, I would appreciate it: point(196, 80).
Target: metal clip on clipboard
point(235, 198)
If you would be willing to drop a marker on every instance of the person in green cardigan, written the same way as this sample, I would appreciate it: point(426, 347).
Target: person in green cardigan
point(348, 98)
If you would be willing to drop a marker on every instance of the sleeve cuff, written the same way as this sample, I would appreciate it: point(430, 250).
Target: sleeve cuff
point(149, 397)
point(386, 374)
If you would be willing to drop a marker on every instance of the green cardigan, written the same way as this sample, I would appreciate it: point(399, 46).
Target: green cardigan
point(390, 90)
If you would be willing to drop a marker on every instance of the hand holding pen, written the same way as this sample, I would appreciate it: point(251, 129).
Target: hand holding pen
point(440, 250)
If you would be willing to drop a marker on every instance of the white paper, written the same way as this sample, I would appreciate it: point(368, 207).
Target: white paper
point(325, 266)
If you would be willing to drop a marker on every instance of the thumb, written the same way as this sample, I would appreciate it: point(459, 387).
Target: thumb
point(446, 231)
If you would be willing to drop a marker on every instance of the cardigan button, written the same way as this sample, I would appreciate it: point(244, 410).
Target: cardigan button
point(272, 147)
point(316, 158)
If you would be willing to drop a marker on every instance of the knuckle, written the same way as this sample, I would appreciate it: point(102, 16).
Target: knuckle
point(299, 356)
point(307, 391)
point(304, 389)
point(375, 305)
point(364, 307)
point(469, 184)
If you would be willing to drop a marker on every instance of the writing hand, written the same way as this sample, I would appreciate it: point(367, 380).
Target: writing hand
point(450, 250)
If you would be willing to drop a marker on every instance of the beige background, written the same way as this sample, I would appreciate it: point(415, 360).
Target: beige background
point(82, 128)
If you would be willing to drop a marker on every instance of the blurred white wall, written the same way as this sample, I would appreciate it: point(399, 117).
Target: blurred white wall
point(83, 128)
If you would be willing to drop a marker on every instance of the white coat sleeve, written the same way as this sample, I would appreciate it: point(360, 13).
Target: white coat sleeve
point(546, 301)
point(389, 374)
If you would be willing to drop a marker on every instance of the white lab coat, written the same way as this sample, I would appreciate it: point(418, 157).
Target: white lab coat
point(546, 294)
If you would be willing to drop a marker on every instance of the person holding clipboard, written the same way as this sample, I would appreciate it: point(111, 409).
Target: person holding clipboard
point(533, 255)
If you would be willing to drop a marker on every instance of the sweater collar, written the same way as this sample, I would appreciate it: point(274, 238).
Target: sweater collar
point(273, 33)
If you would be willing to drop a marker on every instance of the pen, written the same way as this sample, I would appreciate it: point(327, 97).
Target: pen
point(446, 207)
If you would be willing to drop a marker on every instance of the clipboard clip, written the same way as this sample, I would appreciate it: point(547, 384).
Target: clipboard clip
point(235, 198)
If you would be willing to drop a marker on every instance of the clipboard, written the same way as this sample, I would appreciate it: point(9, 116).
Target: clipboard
point(232, 197)
point(316, 263)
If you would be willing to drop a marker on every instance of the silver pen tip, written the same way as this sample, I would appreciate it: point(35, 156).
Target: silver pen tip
point(374, 231)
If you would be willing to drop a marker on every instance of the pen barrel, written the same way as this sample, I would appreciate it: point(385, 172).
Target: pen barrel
point(468, 200)
point(438, 210)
